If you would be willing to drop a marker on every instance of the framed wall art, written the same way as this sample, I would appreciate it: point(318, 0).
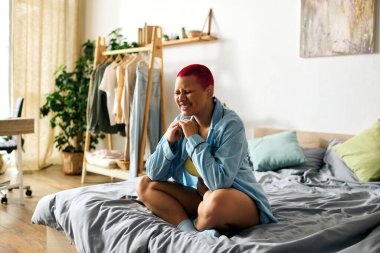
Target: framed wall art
point(337, 27)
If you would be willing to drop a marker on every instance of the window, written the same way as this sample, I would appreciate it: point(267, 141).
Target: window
point(5, 22)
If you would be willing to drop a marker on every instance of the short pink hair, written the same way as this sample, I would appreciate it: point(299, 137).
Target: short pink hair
point(201, 72)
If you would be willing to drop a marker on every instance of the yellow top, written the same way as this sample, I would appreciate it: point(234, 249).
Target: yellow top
point(190, 168)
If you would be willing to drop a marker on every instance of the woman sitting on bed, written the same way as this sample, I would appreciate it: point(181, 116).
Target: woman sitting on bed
point(205, 151)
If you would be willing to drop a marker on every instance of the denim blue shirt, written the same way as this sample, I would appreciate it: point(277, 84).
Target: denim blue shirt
point(222, 160)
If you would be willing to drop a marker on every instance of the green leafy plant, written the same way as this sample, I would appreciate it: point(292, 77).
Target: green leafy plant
point(117, 41)
point(68, 102)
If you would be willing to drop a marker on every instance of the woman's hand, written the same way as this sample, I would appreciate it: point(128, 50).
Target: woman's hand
point(174, 132)
point(189, 127)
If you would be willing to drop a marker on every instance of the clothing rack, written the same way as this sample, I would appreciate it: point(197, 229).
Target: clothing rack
point(155, 51)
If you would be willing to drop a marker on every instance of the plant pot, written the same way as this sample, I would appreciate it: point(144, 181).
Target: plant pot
point(72, 163)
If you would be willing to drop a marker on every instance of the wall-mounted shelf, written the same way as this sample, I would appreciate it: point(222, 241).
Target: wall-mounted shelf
point(189, 40)
point(203, 38)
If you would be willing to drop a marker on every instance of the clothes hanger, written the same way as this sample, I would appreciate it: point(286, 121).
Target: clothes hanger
point(126, 58)
point(118, 58)
point(108, 58)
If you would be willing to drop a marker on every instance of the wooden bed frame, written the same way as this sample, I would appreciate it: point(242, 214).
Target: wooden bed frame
point(57, 242)
point(305, 139)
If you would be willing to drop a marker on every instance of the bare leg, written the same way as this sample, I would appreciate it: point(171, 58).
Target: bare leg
point(226, 209)
point(169, 201)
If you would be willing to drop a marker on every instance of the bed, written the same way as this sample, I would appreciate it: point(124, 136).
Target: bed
point(316, 212)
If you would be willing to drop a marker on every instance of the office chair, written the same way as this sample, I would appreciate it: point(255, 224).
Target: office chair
point(9, 146)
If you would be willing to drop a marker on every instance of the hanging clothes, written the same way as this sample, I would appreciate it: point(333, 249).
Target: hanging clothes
point(127, 98)
point(99, 114)
point(109, 86)
point(90, 96)
point(118, 110)
point(129, 86)
point(137, 114)
point(93, 107)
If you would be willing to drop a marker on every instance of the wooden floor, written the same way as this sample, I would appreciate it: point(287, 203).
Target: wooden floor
point(17, 234)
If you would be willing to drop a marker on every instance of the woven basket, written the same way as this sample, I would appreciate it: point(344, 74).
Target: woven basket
point(123, 165)
point(194, 33)
point(72, 163)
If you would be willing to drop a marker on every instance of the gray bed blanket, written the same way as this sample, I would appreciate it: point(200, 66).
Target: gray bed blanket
point(316, 213)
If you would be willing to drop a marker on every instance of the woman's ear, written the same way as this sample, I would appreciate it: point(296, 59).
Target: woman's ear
point(210, 91)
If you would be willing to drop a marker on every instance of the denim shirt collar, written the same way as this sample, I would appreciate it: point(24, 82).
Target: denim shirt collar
point(217, 114)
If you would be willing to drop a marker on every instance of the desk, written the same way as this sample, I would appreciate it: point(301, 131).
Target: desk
point(17, 126)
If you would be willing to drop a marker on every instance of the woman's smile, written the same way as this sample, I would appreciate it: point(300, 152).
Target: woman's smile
point(185, 106)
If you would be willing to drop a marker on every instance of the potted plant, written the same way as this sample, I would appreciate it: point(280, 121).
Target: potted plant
point(68, 104)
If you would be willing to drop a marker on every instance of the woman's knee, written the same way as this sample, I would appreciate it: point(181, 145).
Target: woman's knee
point(213, 204)
point(143, 186)
point(227, 207)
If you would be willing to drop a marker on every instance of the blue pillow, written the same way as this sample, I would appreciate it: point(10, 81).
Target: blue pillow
point(275, 151)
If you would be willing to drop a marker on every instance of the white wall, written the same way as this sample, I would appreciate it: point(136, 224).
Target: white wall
point(255, 62)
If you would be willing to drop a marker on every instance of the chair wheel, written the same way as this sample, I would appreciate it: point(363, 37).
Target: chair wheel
point(28, 192)
point(4, 200)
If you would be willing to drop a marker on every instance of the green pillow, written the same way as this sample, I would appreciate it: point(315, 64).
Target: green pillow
point(361, 153)
point(275, 151)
